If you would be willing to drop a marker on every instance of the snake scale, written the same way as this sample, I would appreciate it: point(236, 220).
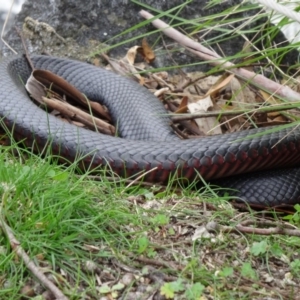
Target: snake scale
point(146, 141)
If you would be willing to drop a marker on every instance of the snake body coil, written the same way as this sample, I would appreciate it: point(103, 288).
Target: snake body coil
point(146, 139)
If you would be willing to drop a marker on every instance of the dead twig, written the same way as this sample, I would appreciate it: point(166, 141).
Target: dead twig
point(15, 245)
point(206, 54)
point(177, 118)
point(179, 132)
point(138, 178)
point(158, 263)
point(25, 48)
point(4, 27)
point(79, 115)
point(260, 231)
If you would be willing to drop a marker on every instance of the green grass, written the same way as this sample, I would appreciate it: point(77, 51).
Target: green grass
point(71, 226)
point(215, 29)
point(54, 213)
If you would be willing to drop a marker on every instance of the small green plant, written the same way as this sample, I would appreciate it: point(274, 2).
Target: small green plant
point(143, 244)
point(169, 289)
point(226, 272)
point(145, 248)
point(259, 248)
point(295, 218)
point(195, 291)
point(160, 220)
point(295, 267)
point(192, 291)
point(247, 271)
point(112, 291)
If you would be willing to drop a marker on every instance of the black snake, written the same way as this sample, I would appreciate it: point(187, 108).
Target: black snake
point(147, 141)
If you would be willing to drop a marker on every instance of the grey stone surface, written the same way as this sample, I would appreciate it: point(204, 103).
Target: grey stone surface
point(86, 24)
point(4, 9)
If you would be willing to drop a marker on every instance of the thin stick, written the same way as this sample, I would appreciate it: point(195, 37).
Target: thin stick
point(176, 118)
point(79, 115)
point(15, 244)
point(214, 59)
point(281, 9)
point(4, 26)
point(25, 48)
point(138, 178)
point(261, 231)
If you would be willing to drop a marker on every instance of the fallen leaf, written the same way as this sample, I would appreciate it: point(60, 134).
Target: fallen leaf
point(206, 125)
point(131, 54)
point(146, 51)
point(221, 83)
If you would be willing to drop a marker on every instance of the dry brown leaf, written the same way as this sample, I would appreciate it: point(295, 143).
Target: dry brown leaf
point(142, 80)
point(117, 67)
point(268, 97)
point(131, 54)
point(161, 91)
point(278, 118)
point(96, 62)
point(127, 63)
point(146, 51)
point(57, 84)
point(161, 81)
point(205, 124)
point(183, 105)
point(163, 75)
point(72, 112)
point(150, 83)
point(91, 248)
point(240, 95)
point(35, 88)
point(221, 83)
point(243, 94)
